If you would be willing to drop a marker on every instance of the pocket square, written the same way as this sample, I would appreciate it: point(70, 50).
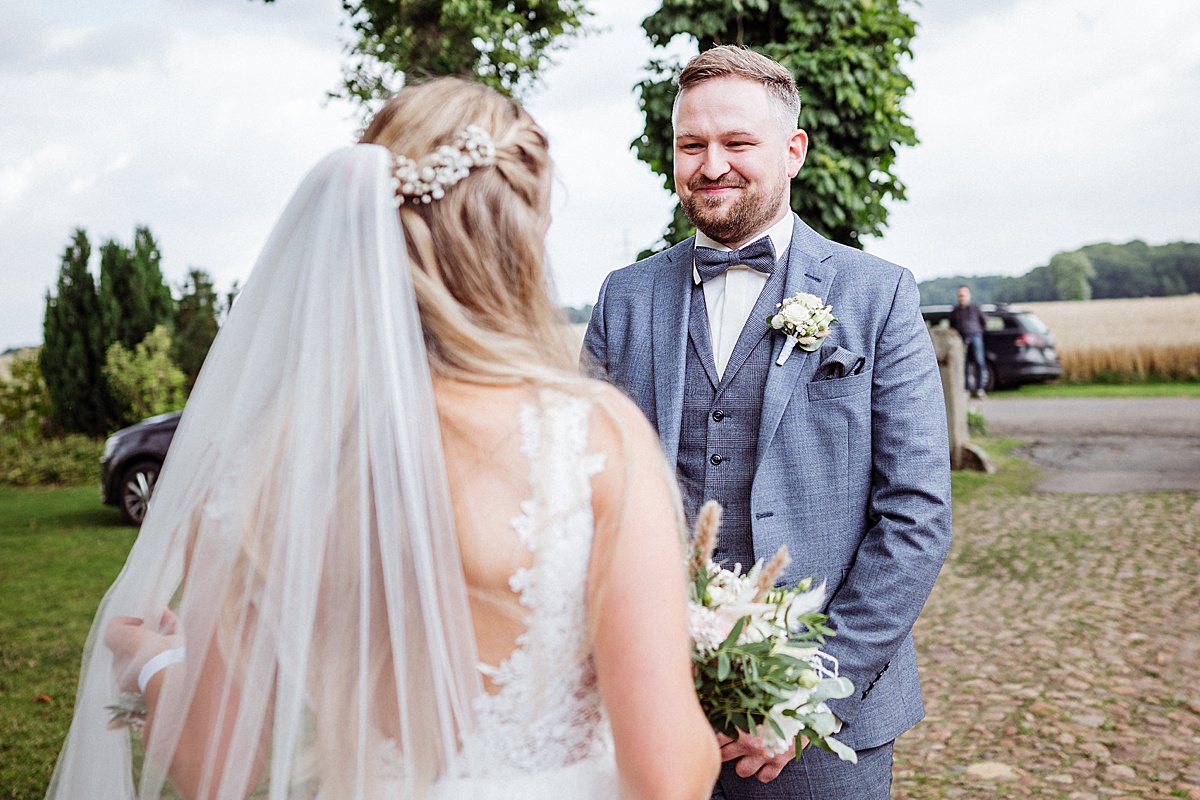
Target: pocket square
point(838, 362)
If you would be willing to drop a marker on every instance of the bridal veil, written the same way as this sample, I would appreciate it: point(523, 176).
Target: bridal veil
point(302, 534)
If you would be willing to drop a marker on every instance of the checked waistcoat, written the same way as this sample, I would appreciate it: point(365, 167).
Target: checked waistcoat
point(718, 437)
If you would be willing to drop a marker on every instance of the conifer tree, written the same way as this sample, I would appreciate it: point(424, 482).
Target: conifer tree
point(195, 324)
point(72, 356)
point(133, 296)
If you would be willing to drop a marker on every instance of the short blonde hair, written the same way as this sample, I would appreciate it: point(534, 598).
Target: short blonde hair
point(729, 61)
point(477, 255)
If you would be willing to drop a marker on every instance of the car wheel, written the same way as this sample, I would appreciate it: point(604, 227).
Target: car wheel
point(137, 484)
point(989, 380)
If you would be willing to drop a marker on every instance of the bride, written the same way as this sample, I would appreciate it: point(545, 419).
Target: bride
point(400, 549)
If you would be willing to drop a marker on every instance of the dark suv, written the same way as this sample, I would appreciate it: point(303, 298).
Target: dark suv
point(131, 462)
point(1018, 346)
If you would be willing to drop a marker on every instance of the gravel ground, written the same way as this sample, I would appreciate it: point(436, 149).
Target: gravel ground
point(1060, 652)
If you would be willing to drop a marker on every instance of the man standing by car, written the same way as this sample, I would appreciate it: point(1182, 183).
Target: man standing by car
point(967, 318)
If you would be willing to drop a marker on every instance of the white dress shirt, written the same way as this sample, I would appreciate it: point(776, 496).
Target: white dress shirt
point(730, 297)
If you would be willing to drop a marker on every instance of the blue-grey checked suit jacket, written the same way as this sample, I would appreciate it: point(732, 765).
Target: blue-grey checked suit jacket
point(853, 470)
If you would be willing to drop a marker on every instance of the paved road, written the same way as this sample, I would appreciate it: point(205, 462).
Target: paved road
point(1103, 445)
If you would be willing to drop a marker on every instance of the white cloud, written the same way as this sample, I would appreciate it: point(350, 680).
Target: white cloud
point(1053, 125)
point(203, 143)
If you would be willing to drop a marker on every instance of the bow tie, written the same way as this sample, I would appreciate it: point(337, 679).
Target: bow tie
point(759, 256)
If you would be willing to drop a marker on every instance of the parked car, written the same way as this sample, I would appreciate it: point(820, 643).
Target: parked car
point(1018, 346)
point(131, 462)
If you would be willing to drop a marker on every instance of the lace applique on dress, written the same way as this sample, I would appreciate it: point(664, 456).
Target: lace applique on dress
point(547, 713)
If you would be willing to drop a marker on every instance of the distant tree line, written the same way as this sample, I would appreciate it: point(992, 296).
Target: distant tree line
point(121, 347)
point(1099, 271)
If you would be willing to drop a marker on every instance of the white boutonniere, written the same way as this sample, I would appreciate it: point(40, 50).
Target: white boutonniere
point(804, 321)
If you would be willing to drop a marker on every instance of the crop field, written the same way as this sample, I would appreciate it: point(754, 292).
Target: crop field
point(1126, 340)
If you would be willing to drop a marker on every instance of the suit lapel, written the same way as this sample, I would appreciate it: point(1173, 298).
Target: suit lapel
point(701, 336)
point(670, 308)
point(810, 269)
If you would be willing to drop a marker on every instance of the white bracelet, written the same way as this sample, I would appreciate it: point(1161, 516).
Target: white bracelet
point(158, 663)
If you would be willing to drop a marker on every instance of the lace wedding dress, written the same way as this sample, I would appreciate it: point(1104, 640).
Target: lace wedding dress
point(302, 536)
point(544, 733)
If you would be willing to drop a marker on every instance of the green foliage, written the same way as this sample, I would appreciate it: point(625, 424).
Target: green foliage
point(72, 356)
point(146, 381)
point(1034, 286)
point(25, 407)
point(69, 460)
point(1147, 389)
point(846, 56)
point(195, 324)
point(1134, 269)
point(502, 43)
point(1071, 273)
point(579, 315)
point(944, 291)
point(133, 296)
point(976, 424)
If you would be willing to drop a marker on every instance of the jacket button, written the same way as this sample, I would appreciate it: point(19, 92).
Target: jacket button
point(718, 415)
point(716, 459)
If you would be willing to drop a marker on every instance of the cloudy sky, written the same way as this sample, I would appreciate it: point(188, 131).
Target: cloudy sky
point(1045, 125)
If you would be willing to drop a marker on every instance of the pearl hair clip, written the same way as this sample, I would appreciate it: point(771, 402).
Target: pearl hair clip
point(449, 164)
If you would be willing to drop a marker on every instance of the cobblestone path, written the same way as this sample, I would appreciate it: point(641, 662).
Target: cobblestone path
point(1060, 652)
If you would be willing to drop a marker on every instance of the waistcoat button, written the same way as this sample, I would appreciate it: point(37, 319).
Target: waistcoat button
point(716, 459)
point(718, 415)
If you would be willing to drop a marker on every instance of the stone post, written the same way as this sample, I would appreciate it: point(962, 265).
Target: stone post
point(950, 355)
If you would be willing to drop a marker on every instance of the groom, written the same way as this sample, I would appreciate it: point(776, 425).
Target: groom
point(841, 454)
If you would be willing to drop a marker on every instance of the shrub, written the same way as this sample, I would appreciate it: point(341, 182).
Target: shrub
point(145, 382)
point(70, 460)
point(25, 407)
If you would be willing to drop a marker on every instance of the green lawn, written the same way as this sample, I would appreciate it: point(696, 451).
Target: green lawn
point(1103, 390)
point(59, 551)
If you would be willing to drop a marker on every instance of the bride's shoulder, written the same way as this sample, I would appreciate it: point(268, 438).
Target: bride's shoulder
point(619, 430)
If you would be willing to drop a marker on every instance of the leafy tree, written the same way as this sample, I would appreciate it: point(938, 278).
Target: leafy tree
point(846, 56)
point(503, 43)
point(72, 356)
point(577, 315)
point(1034, 286)
point(1070, 273)
point(145, 381)
point(195, 324)
point(944, 291)
point(25, 407)
point(1134, 269)
point(134, 299)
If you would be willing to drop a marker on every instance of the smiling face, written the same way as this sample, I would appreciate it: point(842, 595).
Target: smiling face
point(734, 158)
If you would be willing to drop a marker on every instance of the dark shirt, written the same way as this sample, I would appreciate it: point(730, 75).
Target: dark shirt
point(968, 320)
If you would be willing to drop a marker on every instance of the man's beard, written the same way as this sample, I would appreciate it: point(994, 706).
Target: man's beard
point(749, 214)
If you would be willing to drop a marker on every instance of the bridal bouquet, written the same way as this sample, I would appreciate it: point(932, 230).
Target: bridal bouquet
point(755, 650)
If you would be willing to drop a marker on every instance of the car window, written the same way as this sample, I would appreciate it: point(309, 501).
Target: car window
point(1031, 323)
point(995, 323)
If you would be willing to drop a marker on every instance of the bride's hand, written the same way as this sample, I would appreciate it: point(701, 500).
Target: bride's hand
point(133, 644)
point(753, 760)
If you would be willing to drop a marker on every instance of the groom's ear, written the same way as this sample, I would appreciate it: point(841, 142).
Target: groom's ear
point(797, 150)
